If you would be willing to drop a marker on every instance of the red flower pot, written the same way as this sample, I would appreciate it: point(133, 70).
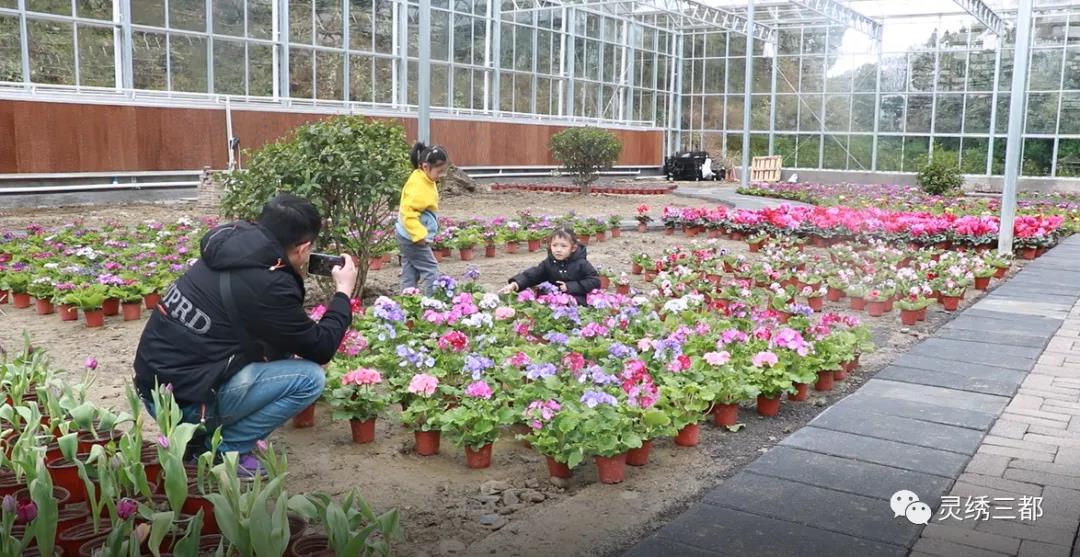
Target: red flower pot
point(802, 392)
point(612, 470)
point(72, 540)
point(623, 289)
point(909, 316)
point(688, 436)
point(558, 469)
point(605, 282)
point(194, 503)
point(467, 254)
point(639, 456)
point(842, 373)
point(111, 307)
point(68, 312)
point(824, 380)
point(669, 231)
point(438, 255)
point(783, 316)
point(71, 515)
point(61, 495)
point(94, 318)
point(725, 414)
point(755, 246)
point(305, 419)
point(151, 301)
point(649, 276)
point(363, 431)
point(43, 307)
point(738, 236)
point(1000, 272)
point(768, 406)
point(951, 302)
point(1029, 253)
point(489, 251)
point(922, 314)
point(478, 459)
point(636, 269)
point(982, 283)
point(20, 300)
point(584, 239)
point(427, 442)
point(65, 474)
point(132, 312)
point(876, 309)
point(817, 303)
point(601, 236)
point(858, 304)
point(375, 264)
point(714, 233)
point(511, 247)
point(642, 227)
point(616, 232)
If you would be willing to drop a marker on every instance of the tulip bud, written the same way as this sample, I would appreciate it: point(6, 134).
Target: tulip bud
point(262, 446)
point(126, 507)
point(9, 504)
point(90, 363)
point(163, 441)
point(142, 531)
point(25, 511)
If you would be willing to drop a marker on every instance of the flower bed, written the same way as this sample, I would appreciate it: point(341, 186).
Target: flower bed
point(606, 189)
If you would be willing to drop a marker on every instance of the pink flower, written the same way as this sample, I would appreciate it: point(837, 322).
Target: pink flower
point(126, 507)
point(504, 313)
point(454, 340)
point(317, 312)
point(681, 363)
point(762, 359)
point(163, 441)
point(718, 358)
point(262, 446)
point(423, 384)
point(478, 389)
point(91, 363)
point(520, 359)
point(362, 376)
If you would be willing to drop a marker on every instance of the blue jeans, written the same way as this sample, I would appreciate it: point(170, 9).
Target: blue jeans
point(257, 400)
point(419, 268)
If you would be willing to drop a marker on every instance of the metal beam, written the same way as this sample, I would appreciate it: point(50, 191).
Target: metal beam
point(748, 83)
point(844, 15)
point(1015, 142)
point(984, 14)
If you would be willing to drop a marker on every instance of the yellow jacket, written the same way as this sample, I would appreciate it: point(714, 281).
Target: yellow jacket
point(419, 201)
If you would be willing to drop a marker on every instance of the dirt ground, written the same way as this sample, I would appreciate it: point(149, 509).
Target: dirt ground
point(511, 508)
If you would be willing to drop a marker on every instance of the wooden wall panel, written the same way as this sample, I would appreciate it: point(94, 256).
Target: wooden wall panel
point(40, 137)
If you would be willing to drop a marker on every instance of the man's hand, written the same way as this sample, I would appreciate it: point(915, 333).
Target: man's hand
point(345, 276)
point(561, 285)
point(510, 287)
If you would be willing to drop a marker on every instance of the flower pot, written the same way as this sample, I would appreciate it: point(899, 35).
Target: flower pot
point(858, 304)
point(558, 469)
point(817, 303)
point(427, 442)
point(688, 436)
point(636, 269)
point(842, 373)
point(714, 233)
point(132, 312)
point(982, 283)
point(690, 231)
point(4, 295)
point(616, 232)
point(65, 474)
point(68, 312)
point(909, 316)
point(583, 239)
point(94, 318)
point(363, 431)
point(438, 255)
point(511, 247)
point(61, 495)
point(605, 282)
point(1029, 253)
point(824, 380)
point(312, 546)
point(9, 484)
point(196, 502)
point(738, 236)
point(768, 406)
point(601, 236)
point(151, 301)
point(649, 276)
point(90, 544)
point(467, 254)
point(478, 459)
point(875, 309)
point(639, 456)
point(111, 307)
point(802, 392)
point(43, 307)
point(951, 302)
point(305, 419)
point(623, 289)
point(70, 516)
point(20, 300)
point(922, 314)
point(1000, 272)
point(489, 251)
point(783, 317)
point(755, 246)
point(669, 231)
point(611, 469)
point(87, 440)
point(375, 264)
point(725, 414)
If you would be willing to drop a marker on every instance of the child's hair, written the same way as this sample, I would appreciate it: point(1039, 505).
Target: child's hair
point(434, 155)
point(566, 233)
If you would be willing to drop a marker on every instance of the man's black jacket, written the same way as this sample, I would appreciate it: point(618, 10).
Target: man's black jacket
point(576, 271)
point(190, 340)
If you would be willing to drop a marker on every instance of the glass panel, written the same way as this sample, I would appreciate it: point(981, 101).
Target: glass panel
point(300, 21)
point(973, 160)
point(384, 27)
point(1005, 76)
point(947, 148)
point(478, 89)
point(260, 19)
point(148, 60)
point(94, 9)
point(228, 18)
point(1068, 163)
point(787, 112)
point(59, 7)
point(1045, 70)
point(810, 111)
point(440, 85)
point(97, 63)
point(865, 80)
point(734, 114)
point(916, 151)
point(360, 34)
point(187, 58)
point(838, 113)
point(300, 67)
point(714, 76)
point(462, 88)
point(812, 74)
point(736, 78)
point(412, 76)
point(862, 114)
point(981, 70)
point(785, 146)
point(329, 75)
point(890, 150)
point(860, 149)
point(922, 71)
point(1072, 67)
point(1042, 113)
point(463, 26)
point(384, 80)
point(892, 113)
point(839, 82)
point(835, 152)
point(1038, 155)
point(977, 114)
point(952, 71)
point(52, 58)
point(763, 75)
point(360, 89)
point(918, 113)
point(761, 106)
point(148, 12)
point(10, 49)
point(440, 36)
point(787, 75)
point(260, 70)
point(1070, 105)
point(228, 73)
point(809, 147)
point(328, 24)
point(480, 36)
point(187, 14)
point(950, 113)
point(1002, 114)
point(894, 74)
point(1049, 30)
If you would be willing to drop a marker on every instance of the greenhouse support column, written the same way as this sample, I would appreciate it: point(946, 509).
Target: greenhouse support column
point(877, 106)
point(570, 23)
point(423, 78)
point(24, 42)
point(281, 48)
point(772, 103)
point(496, 52)
point(346, 88)
point(993, 110)
point(124, 47)
point(1017, 103)
point(748, 87)
point(677, 69)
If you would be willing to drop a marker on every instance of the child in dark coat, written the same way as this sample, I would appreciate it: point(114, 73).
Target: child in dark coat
point(566, 267)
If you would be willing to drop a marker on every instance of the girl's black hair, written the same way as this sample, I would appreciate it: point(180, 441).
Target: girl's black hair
point(566, 233)
point(434, 155)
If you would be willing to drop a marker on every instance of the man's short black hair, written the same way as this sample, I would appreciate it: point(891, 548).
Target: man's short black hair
point(292, 220)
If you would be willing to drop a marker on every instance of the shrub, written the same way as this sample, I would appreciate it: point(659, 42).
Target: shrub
point(941, 175)
point(350, 167)
point(584, 152)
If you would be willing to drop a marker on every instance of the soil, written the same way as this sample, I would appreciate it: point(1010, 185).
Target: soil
point(511, 508)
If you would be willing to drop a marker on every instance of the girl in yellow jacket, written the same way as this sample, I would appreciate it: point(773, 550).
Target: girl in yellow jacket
point(417, 220)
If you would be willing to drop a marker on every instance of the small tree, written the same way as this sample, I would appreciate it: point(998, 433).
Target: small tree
point(941, 175)
point(584, 152)
point(350, 167)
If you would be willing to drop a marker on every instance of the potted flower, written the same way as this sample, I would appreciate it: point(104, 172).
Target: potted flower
point(549, 431)
point(511, 235)
point(89, 298)
point(814, 292)
point(856, 292)
point(613, 223)
point(643, 218)
point(768, 376)
point(489, 242)
point(465, 241)
point(877, 300)
point(131, 299)
point(17, 282)
point(756, 241)
point(983, 273)
point(1001, 263)
point(911, 306)
point(685, 396)
point(604, 429)
point(534, 237)
point(952, 291)
point(606, 275)
point(422, 411)
point(640, 262)
point(622, 284)
point(732, 387)
point(360, 401)
point(475, 421)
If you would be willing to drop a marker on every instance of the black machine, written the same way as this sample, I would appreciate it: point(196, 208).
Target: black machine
point(321, 264)
point(685, 166)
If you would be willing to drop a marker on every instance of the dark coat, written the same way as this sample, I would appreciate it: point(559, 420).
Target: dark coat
point(191, 342)
point(576, 271)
